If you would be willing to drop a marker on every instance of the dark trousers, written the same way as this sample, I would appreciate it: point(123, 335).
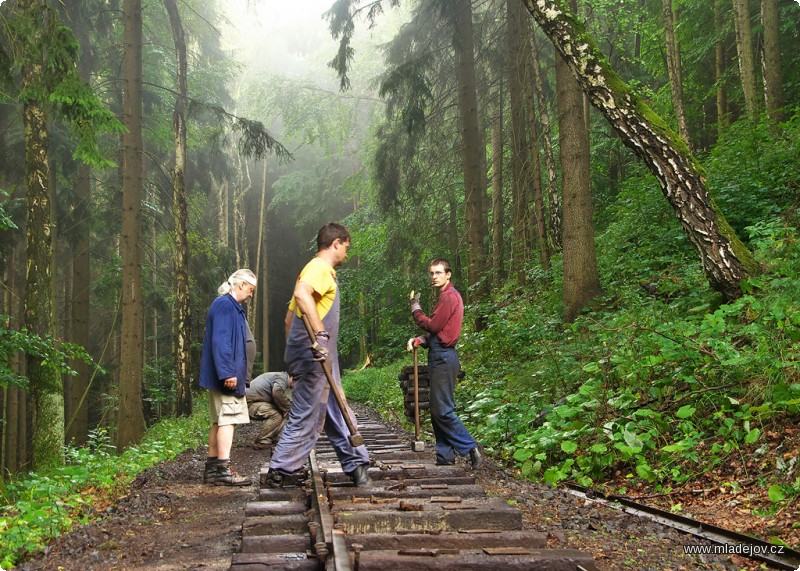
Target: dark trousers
point(451, 435)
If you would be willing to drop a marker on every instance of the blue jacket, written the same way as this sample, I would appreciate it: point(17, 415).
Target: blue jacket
point(223, 353)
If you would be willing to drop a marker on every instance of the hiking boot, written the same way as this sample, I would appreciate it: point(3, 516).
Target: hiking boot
point(210, 471)
point(442, 462)
point(360, 477)
point(476, 457)
point(227, 476)
point(277, 479)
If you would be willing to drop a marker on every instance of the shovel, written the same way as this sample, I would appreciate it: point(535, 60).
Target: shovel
point(355, 438)
point(418, 445)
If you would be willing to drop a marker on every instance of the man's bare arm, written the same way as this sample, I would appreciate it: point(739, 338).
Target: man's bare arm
point(304, 297)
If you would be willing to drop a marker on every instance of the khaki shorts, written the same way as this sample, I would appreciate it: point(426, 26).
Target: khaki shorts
point(227, 409)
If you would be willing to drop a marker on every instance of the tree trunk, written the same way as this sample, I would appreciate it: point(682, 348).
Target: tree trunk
point(721, 64)
point(773, 81)
point(744, 50)
point(11, 447)
point(553, 198)
point(180, 214)
point(674, 70)
point(726, 261)
point(637, 41)
point(240, 243)
point(473, 151)
point(130, 426)
point(220, 191)
point(45, 382)
point(581, 278)
point(14, 433)
point(262, 272)
point(520, 247)
point(497, 193)
point(23, 411)
point(78, 420)
point(539, 225)
point(5, 310)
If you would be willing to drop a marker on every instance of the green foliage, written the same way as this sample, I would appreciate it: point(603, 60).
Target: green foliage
point(87, 115)
point(48, 49)
point(662, 388)
point(5, 222)
point(753, 171)
point(53, 353)
point(39, 507)
point(375, 292)
point(377, 387)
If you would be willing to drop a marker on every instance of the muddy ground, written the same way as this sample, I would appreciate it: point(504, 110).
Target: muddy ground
point(169, 521)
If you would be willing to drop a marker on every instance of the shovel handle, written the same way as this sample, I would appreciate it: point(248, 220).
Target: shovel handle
point(355, 438)
point(417, 429)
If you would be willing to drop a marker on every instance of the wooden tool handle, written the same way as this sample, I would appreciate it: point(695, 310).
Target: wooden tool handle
point(355, 438)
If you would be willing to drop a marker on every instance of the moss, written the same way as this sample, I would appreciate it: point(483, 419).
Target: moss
point(742, 253)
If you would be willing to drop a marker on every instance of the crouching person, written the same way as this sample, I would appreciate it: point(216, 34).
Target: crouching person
point(268, 400)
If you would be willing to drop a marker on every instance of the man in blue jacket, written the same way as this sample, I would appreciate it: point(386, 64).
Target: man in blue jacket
point(223, 371)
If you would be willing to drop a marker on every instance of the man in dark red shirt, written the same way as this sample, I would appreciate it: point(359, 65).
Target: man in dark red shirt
point(443, 328)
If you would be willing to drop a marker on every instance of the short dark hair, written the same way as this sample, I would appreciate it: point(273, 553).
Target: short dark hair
point(441, 262)
point(328, 234)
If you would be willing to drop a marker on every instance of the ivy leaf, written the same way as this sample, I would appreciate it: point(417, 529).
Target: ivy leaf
point(522, 454)
point(752, 436)
point(677, 447)
point(645, 472)
point(776, 493)
point(632, 439)
point(685, 411)
point(569, 446)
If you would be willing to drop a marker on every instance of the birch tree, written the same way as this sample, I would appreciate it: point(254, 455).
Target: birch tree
point(726, 261)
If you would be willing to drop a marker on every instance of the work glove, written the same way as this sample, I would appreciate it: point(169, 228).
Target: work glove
point(414, 299)
point(415, 342)
point(320, 349)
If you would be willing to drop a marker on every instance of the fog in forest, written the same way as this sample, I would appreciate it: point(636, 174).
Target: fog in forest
point(284, 80)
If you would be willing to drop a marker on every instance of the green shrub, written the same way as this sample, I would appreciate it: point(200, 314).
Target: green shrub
point(39, 507)
point(378, 388)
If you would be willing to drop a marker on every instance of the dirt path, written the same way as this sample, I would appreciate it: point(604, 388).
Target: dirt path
point(169, 521)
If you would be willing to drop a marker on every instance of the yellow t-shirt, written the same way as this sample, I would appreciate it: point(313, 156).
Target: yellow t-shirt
point(321, 276)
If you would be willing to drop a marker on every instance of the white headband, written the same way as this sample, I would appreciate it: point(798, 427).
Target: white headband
point(245, 278)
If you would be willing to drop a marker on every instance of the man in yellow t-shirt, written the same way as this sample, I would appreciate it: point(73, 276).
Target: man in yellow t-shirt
point(316, 295)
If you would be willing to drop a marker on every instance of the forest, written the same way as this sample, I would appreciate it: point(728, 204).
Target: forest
point(615, 183)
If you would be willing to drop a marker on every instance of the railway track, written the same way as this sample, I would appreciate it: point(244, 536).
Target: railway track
point(730, 542)
point(416, 515)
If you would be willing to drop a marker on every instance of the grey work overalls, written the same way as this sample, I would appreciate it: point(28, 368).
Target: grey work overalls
point(313, 405)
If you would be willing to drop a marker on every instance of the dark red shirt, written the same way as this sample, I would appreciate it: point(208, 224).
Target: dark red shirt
point(447, 317)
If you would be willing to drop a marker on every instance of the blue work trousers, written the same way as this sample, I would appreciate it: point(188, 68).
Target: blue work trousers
point(451, 435)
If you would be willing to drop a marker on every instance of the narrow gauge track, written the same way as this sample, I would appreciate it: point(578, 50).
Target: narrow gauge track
point(416, 515)
point(777, 557)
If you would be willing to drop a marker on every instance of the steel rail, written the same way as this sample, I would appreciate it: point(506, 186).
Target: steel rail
point(329, 541)
point(777, 556)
